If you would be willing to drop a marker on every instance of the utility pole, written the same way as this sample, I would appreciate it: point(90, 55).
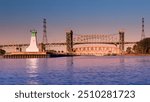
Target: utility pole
point(44, 32)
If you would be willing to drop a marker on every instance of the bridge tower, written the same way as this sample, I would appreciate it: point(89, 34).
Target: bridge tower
point(69, 41)
point(121, 41)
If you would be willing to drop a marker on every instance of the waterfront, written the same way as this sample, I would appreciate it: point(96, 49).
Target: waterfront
point(78, 70)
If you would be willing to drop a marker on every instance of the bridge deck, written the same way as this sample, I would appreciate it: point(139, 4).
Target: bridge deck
point(55, 44)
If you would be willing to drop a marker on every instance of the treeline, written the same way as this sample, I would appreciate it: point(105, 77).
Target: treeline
point(141, 47)
point(2, 52)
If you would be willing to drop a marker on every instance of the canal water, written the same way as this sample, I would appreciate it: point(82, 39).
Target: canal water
point(79, 70)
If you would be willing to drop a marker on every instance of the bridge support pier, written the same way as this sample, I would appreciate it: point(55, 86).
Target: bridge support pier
point(121, 41)
point(69, 41)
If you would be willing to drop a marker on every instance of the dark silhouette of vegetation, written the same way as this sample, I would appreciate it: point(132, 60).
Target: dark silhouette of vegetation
point(2, 52)
point(142, 47)
point(129, 50)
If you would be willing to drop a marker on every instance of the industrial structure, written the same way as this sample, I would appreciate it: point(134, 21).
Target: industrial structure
point(69, 41)
point(44, 40)
point(32, 50)
point(73, 41)
point(113, 39)
point(97, 50)
point(117, 42)
point(143, 31)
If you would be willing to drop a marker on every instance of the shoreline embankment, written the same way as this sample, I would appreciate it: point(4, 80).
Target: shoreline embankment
point(45, 55)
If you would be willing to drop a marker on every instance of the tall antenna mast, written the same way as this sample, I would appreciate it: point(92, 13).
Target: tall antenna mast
point(44, 32)
point(143, 32)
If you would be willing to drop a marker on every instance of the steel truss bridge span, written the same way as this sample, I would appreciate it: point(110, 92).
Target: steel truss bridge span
point(95, 38)
point(76, 39)
point(115, 43)
point(72, 39)
point(97, 50)
point(64, 44)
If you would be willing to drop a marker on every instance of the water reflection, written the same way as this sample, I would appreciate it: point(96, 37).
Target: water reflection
point(122, 59)
point(32, 70)
point(93, 70)
point(69, 66)
point(69, 61)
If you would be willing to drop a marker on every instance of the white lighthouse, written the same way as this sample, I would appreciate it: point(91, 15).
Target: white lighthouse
point(33, 47)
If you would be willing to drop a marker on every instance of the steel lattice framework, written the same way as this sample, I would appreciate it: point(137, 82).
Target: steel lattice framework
point(96, 50)
point(107, 38)
point(74, 39)
point(44, 32)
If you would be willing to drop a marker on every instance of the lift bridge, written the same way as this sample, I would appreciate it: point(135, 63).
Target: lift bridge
point(80, 39)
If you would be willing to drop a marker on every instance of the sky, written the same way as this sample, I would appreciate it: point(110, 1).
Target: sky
point(18, 17)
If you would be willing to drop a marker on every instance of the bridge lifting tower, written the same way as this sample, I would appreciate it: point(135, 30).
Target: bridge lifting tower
point(121, 41)
point(69, 41)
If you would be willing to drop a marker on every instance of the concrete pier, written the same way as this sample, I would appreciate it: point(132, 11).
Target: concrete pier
point(26, 55)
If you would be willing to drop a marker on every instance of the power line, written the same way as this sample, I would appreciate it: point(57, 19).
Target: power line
point(143, 32)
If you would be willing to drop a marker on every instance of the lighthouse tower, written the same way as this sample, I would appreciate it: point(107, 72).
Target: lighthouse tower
point(33, 47)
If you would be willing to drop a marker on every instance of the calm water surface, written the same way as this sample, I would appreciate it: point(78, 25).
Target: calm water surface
point(76, 70)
